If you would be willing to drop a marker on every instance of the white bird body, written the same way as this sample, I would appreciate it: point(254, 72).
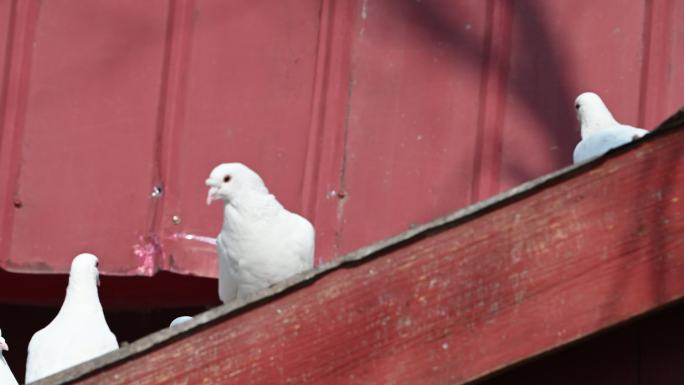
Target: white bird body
point(600, 131)
point(180, 320)
point(260, 243)
point(79, 332)
point(6, 376)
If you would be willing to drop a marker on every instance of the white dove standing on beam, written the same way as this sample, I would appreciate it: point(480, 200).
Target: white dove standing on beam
point(260, 243)
point(600, 131)
point(6, 376)
point(79, 332)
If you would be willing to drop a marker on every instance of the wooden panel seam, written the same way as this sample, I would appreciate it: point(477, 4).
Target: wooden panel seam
point(169, 123)
point(329, 107)
point(13, 100)
point(498, 41)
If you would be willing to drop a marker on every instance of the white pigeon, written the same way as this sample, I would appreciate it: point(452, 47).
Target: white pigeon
point(6, 376)
point(79, 332)
point(600, 131)
point(261, 243)
point(180, 320)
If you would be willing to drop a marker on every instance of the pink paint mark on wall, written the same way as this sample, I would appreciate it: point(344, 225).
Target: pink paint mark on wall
point(148, 248)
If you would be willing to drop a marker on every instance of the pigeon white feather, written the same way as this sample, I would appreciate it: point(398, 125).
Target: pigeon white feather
point(180, 320)
point(260, 243)
point(79, 332)
point(6, 376)
point(600, 131)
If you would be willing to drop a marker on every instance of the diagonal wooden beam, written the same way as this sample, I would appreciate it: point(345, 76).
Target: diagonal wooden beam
point(449, 302)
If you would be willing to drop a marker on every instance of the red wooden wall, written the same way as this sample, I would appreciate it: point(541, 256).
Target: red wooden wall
point(367, 116)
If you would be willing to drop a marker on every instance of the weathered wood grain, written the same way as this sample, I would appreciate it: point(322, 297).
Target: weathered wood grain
point(454, 300)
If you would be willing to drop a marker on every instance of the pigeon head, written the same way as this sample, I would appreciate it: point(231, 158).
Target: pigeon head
point(3, 344)
point(592, 113)
point(228, 181)
point(84, 268)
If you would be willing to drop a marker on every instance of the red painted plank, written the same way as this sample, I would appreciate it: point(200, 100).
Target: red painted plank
point(413, 115)
point(6, 18)
point(16, 67)
point(94, 82)
point(675, 68)
point(664, 75)
point(457, 299)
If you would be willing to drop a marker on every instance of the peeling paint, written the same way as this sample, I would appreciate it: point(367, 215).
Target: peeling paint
point(146, 251)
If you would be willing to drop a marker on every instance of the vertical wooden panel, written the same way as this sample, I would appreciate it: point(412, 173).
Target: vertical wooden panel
point(413, 115)
point(492, 104)
point(19, 30)
point(86, 154)
point(324, 188)
point(664, 75)
point(6, 19)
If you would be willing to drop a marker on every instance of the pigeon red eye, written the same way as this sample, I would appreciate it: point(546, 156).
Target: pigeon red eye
point(577, 106)
point(97, 264)
point(226, 179)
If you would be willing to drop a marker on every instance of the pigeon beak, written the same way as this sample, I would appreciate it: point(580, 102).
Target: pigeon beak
point(213, 195)
point(3, 345)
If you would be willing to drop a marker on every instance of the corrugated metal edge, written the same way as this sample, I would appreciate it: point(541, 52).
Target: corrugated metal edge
point(218, 314)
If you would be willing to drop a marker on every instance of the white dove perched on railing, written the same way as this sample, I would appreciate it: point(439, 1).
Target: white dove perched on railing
point(79, 332)
point(600, 131)
point(261, 243)
point(6, 376)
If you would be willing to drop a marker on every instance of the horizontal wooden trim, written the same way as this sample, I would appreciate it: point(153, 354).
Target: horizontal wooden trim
point(540, 266)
